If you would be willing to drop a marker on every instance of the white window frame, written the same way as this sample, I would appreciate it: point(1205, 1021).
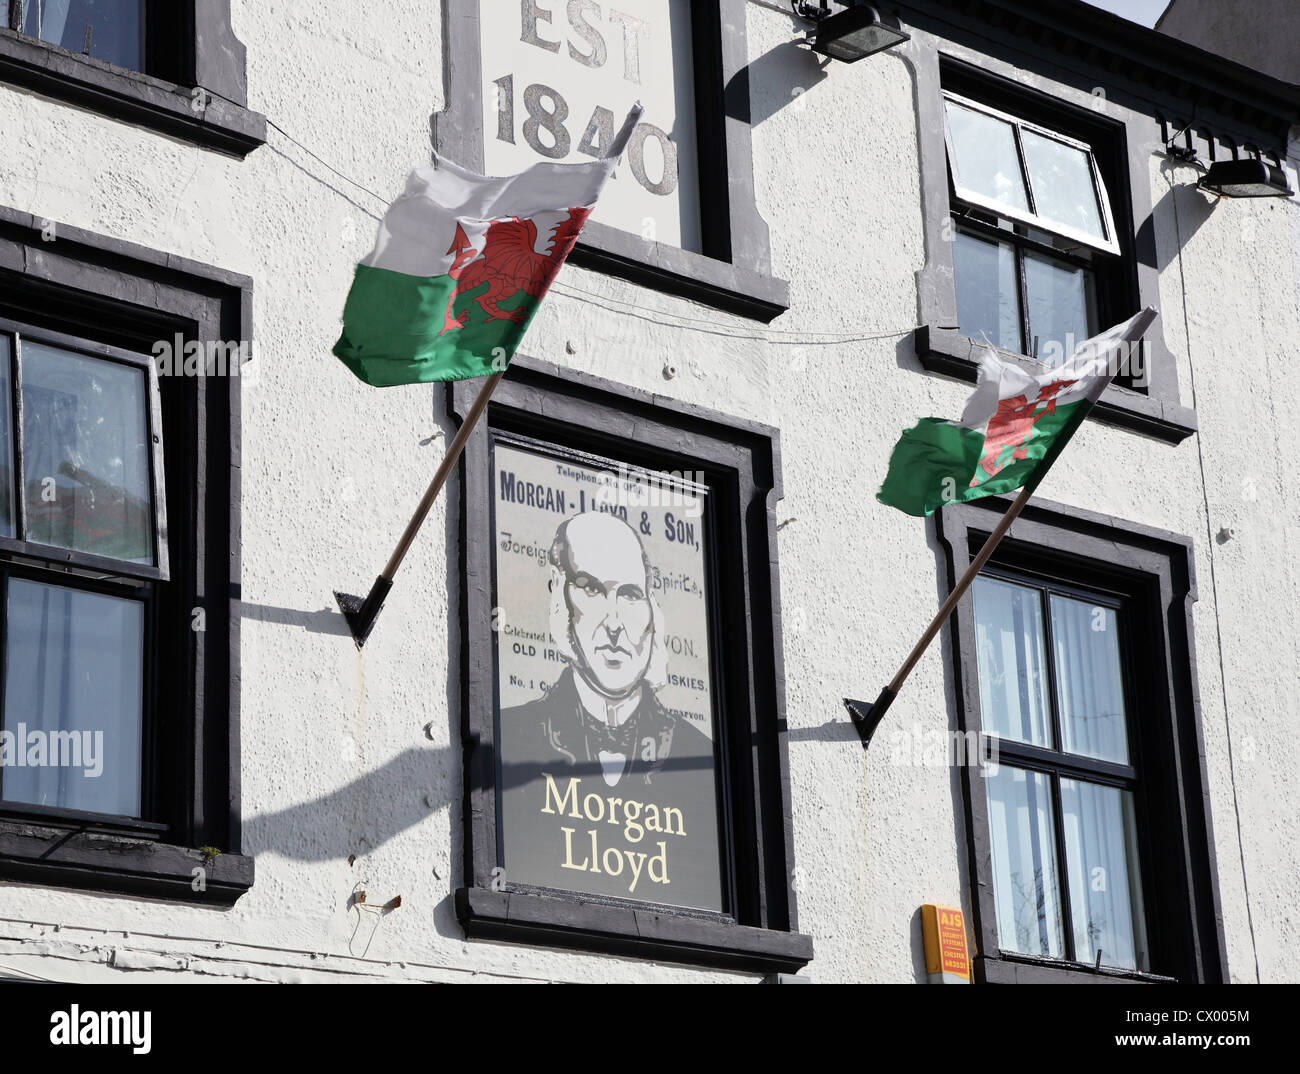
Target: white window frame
point(76, 560)
point(1109, 245)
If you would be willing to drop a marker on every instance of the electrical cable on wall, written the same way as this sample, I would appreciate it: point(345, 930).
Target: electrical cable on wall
point(1214, 586)
point(784, 337)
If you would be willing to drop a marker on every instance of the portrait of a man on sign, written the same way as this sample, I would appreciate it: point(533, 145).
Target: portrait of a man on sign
point(603, 713)
point(606, 759)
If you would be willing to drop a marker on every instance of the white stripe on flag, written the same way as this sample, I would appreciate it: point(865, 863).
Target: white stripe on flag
point(1093, 365)
point(418, 230)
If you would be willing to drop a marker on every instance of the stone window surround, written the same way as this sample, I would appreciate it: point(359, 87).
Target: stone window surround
point(223, 123)
point(1155, 569)
point(111, 291)
point(940, 346)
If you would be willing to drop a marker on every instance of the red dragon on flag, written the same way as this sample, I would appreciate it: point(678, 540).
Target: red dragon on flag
point(508, 263)
point(1013, 425)
point(1012, 428)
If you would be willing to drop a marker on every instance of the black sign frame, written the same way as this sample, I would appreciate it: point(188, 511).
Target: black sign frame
point(741, 464)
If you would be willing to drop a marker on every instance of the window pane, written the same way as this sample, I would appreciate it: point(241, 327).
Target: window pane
point(1089, 686)
point(6, 438)
point(116, 27)
point(1012, 659)
point(72, 717)
point(1061, 306)
point(1105, 886)
point(1061, 176)
point(86, 454)
point(988, 298)
point(1026, 891)
point(985, 159)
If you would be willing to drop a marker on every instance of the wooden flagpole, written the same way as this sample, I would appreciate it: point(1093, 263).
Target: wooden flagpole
point(361, 614)
point(866, 718)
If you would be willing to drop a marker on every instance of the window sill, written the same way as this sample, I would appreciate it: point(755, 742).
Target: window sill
point(947, 352)
point(684, 273)
point(640, 933)
point(71, 855)
point(1009, 968)
point(129, 96)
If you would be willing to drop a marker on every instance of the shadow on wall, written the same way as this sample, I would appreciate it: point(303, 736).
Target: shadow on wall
point(377, 806)
point(362, 815)
point(1186, 207)
point(324, 621)
point(916, 932)
point(772, 82)
point(905, 358)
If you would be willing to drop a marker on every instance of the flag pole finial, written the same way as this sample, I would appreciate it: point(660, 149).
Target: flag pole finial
point(866, 718)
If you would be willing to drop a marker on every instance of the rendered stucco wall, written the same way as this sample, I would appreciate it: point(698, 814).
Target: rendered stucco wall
point(336, 761)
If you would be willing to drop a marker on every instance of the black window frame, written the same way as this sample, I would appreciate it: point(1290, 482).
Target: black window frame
point(146, 595)
point(734, 270)
point(1152, 574)
point(194, 85)
point(90, 573)
point(103, 293)
point(741, 462)
point(970, 220)
point(1114, 282)
point(1056, 762)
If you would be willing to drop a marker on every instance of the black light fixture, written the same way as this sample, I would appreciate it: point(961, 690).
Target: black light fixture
point(1248, 177)
point(849, 35)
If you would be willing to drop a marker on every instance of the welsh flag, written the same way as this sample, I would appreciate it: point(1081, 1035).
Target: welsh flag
point(1012, 429)
point(460, 265)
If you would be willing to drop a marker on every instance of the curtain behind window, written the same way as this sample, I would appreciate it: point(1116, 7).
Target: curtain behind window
point(74, 664)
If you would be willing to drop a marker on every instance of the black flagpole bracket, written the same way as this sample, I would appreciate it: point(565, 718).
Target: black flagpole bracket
point(360, 614)
point(866, 718)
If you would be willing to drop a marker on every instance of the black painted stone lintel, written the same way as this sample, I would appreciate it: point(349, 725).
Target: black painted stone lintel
point(718, 284)
point(949, 353)
point(129, 96)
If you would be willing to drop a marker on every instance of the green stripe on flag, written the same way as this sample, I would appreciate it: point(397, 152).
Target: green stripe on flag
point(935, 461)
point(392, 325)
point(931, 465)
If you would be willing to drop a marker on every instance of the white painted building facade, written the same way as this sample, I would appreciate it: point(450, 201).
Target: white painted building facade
point(349, 769)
